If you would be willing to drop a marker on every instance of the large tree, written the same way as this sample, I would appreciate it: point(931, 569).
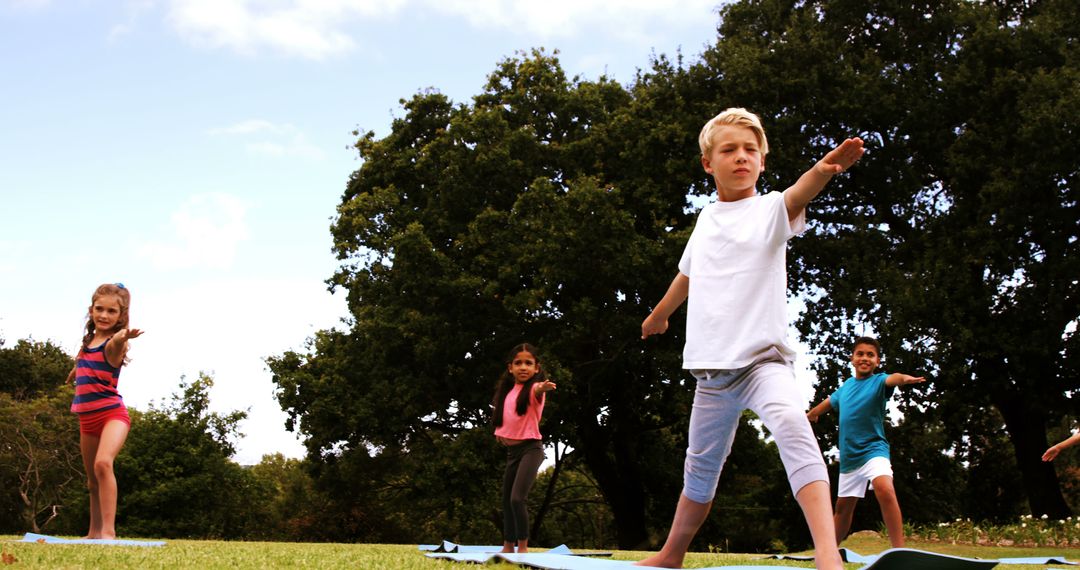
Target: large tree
point(956, 236)
point(553, 210)
point(32, 368)
point(175, 475)
point(40, 465)
point(472, 227)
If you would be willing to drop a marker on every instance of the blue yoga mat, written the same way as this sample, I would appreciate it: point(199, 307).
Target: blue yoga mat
point(548, 561)
point(892, 559)
point(46, 539)
point(447, 546)
point(1038, 560)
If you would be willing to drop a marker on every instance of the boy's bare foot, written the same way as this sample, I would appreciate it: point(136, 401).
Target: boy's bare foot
point(829, 561)
point(661, 560)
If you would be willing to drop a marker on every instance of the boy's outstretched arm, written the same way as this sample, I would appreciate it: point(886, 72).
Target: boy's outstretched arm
point(657, 321)
point(898, 379)
point(819, 409)
point(810, 184)
point(1059, 447)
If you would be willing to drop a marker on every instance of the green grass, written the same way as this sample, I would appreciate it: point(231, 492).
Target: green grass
point(244, 555)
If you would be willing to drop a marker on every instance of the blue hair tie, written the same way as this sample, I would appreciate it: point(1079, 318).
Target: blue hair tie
point(120, 285)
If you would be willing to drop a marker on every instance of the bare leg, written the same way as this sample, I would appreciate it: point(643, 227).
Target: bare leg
point(688, 518)
point(112, 439)
point(507, 546)
point(88, 445)
point(845, 511)
point(890, 509)
point(814, 500)
point(523, 546)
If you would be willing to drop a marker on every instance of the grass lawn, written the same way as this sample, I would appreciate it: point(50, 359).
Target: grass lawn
point(243, 555)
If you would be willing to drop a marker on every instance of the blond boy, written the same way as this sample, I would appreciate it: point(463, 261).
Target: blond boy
point(733, 275)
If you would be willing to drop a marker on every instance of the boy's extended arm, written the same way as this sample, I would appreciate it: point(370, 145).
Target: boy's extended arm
point(657, 321)
point(810, 184)
point(1059, 447)
point(819, 409)
point(898, 379)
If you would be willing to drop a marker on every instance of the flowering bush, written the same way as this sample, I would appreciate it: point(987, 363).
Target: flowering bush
point(1028, 531)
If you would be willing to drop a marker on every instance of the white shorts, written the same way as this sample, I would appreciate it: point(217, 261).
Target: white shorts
point(854, 484)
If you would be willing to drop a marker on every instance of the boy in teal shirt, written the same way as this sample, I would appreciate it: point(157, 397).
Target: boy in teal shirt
point(864, 451)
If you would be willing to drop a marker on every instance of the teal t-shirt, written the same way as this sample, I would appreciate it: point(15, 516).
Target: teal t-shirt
point(861, 403)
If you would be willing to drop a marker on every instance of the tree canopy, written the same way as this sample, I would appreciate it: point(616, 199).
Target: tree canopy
point(473, 227)
point(955, 238)
point(554, 210)
point(175, 477)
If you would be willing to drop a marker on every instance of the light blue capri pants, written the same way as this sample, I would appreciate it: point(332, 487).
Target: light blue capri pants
point(766, 387)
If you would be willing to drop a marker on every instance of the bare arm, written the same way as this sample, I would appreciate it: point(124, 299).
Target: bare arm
point(117, 345)
point(1058, 448)
point(819, 409)
point(813, 181)
point(898, 379)
point(71, 376)
point(657, 321)
point(545, 386)
point(540, 389)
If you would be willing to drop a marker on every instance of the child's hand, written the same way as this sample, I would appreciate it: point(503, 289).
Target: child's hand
point(812, 416)
point(651, 326)
point(900, 379)
point(545, 386)
point(906, 379)
point(841, 158)
point(123, 335)
point(1051, 453)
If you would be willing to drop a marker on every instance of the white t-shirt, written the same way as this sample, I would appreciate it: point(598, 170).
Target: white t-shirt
point(736, 260)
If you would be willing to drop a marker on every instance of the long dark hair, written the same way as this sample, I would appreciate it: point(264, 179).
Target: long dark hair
point(506, 383)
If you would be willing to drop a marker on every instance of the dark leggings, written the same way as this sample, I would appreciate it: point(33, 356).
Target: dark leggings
point(522, 462)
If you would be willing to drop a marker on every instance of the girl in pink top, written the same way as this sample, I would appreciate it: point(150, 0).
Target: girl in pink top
point(519, 403)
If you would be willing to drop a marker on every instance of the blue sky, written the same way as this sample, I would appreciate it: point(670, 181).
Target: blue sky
point(195, 150)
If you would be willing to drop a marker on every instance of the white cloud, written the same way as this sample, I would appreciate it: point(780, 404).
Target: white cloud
point(284, 140)
point(304, 28)
point(235, 324)
point(206, 232)
point(629, 20)
point(248, 127)
point(559, 18)
point(133, 11)
point(319, 29)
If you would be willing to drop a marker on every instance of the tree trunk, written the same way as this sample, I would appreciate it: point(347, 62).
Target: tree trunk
point(620, 483)
point(549, 494)
point(1026, 427)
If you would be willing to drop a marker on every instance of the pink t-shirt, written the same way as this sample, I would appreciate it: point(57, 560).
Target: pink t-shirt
point(520, 427)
